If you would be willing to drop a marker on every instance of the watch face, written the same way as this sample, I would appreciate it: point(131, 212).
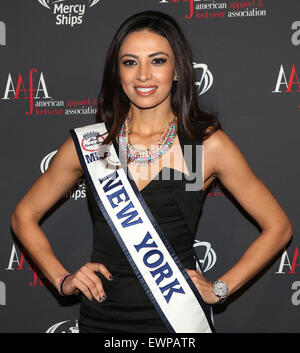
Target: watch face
point(220, 288)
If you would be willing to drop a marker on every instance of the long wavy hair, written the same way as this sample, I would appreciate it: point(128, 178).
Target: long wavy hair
point(113, 104)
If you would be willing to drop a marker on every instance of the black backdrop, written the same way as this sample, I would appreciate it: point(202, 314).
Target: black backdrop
point(246, 60)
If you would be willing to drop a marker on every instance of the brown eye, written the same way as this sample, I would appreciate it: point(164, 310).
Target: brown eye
point(128, 62)
point(159, 60)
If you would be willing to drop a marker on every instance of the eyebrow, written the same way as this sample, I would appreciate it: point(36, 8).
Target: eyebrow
point(150, 55)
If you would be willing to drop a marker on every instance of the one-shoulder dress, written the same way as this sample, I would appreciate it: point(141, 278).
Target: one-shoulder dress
point(127, 308)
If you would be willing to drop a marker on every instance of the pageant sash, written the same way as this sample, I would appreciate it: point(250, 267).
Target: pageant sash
point(152, 258)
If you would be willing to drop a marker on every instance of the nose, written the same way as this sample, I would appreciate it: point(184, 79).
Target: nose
point(144, 72)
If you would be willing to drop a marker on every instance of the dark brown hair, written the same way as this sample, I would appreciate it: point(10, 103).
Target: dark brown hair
point(113, 104)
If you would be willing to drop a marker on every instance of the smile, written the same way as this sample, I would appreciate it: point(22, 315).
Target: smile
point(145, 91)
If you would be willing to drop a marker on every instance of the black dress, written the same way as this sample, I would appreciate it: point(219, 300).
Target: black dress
point(127, 308)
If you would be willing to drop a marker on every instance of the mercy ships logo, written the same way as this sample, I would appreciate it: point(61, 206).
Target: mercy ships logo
point(68, 14)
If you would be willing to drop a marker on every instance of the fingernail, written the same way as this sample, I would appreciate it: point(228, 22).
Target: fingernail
point(102, 298)
point(110, 277)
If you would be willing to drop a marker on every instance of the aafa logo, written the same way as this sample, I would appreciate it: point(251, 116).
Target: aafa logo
point(288, 81)
point(288, 266)
point(24, 263)
point(20, 92)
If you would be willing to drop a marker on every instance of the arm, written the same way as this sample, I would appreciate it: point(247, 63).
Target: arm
point(228, 163)
point(50, 187)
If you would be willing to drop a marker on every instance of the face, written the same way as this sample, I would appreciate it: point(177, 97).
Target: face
point(147, 69)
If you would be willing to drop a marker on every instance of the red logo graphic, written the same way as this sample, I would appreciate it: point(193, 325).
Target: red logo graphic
point(288, 264)
point(288, 81)
point(35, 90)
point(24, 263)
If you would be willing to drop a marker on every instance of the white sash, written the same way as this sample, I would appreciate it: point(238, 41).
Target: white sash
point(152, 258)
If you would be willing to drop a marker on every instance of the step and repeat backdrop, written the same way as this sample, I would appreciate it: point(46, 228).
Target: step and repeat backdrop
point(247, 62)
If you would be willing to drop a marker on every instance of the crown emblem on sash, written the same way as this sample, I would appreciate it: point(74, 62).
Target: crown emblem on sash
point(91, 134)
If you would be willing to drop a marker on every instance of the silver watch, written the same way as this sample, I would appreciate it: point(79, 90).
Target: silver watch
point(220, 289)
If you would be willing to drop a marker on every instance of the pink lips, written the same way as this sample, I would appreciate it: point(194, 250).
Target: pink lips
point(145, 91)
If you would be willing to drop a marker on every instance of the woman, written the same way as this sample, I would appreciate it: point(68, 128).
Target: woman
point(148, 95)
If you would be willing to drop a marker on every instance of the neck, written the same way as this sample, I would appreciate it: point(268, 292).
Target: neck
point(145, 122)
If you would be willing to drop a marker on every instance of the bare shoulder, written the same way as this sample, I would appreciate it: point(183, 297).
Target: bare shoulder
point(62, 173)
point(230, 165)
point(67, 155)
point(216, 140)
point(222, 152)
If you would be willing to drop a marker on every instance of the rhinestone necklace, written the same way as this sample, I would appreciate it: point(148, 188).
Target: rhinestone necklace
point(149, 155)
